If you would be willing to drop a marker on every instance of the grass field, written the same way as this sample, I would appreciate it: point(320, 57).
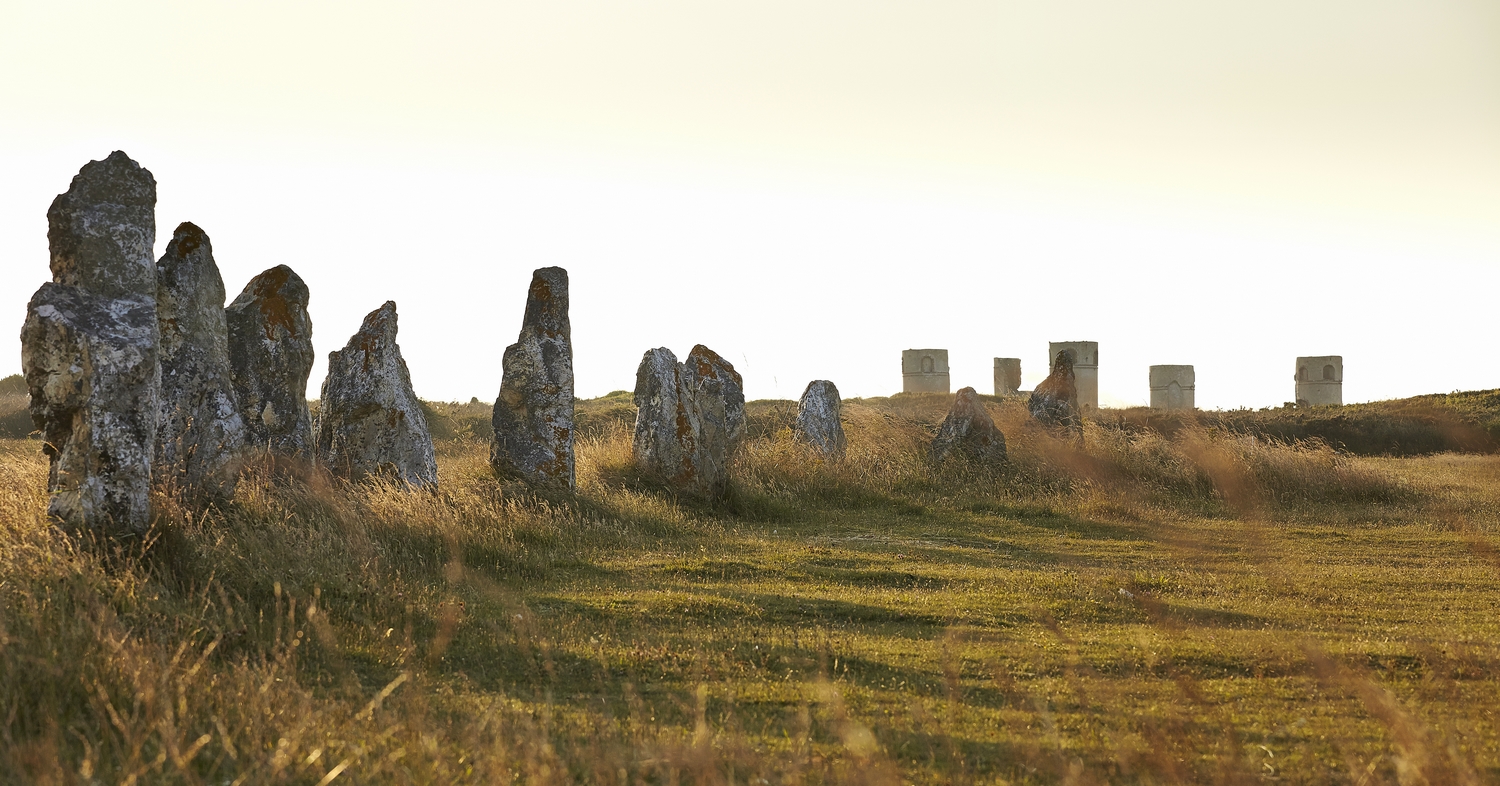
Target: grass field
point(1183, 605)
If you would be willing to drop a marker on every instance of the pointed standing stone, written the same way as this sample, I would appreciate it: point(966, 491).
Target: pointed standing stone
point(969, 431)
point(89, 349)
point(369, 420)
point(1055, 401)
point(202, 430)
point(533, 417)
point(270, 356)
point(818, 421)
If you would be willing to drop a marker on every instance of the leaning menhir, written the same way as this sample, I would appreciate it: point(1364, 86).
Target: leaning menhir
point(818, 421)
point(369, 421)
point(534, 413)
point(89, 349)
point(201, 429)
point(969, 431)
point(689, 419)
point(270, 356)
point(1055, 401)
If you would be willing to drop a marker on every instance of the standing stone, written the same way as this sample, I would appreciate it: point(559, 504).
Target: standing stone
point(1055, 401)
point(534, 414)
point(89, 349)
point(689, 419)
point(369, 421)
point(201, 430)
point(270, 356)
point(969, 431)
point(818, 418)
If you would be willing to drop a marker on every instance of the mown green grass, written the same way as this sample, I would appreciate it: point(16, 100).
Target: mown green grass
point(1135, 608)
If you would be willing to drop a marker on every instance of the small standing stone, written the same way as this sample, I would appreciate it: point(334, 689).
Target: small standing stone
point(969, 431)
point(1055, 401)
point(271, 355)
point(818, 421)
point(689, 419)
point(369, 421)
point(533, 417)
point(202, 430)
point(89, 349)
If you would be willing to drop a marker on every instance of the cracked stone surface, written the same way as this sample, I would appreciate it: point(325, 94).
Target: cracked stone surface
point(369, 419)
point(818, 421)
point(969, 431)
point(201, 431)
point(533, 416)
point(270, 358)
point(89, 349)
point(690, 417)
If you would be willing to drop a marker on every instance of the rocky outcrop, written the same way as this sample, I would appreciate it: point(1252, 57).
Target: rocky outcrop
point(818, 422)
point(968, 431)
point(533, 416)
point(369, 420)
point(201, 428)
point(89, 349)
point(270, 356)
point(1055, 401)
point(689, 419)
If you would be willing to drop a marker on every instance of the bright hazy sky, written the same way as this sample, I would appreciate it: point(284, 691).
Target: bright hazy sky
point(810, 187)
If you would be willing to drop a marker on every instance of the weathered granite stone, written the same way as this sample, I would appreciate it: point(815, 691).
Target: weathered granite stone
point(533, 417)
point(91, 366)
point(1055, 401)
point(270, 357)
point(969, 431)
point(201, 431)
point(89, 349)
point(102, 231)
point(689, 419)
point(369, 420)
point(818, 418)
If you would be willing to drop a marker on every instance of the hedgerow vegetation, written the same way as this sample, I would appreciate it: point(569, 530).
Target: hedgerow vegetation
point(1149, 603)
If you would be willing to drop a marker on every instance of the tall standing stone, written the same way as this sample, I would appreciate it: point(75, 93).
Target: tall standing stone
point(270, 357)
point(533, 417)
point(690, 417)
point(201, 430)
point(369, 420)
point(969, 431)
point(818, 421)
point(89, 349)
point(1055, 401)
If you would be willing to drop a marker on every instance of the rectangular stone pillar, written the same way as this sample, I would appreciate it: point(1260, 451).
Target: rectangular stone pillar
point(924, 371)
point(1172, 387)
point(1007, 376)
point(1320, 381)
point(1085, 356)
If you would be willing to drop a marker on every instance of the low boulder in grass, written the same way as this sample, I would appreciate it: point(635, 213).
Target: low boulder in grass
point(969, 431)
point(818, 419)
point(1055, 401)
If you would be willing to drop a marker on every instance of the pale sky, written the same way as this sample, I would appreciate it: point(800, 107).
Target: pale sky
point(810, 187)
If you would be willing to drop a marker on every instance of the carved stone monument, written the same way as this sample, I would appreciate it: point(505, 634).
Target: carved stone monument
point(924, 371)
point(1085, 357)
point(1320, 381)
point(1172, 387)
point(1007, 376)
point(89, 349)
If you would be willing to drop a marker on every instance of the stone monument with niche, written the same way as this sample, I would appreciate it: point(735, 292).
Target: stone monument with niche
point(1172, 387)
point(924, 371)
point(1320, 381)
point(1007, 376)
point(1085, 356)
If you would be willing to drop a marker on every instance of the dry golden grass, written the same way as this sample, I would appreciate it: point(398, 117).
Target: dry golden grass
point(1131, 607)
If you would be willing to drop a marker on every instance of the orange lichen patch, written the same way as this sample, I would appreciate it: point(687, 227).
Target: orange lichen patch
point(189, 237)
point(274, 309)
